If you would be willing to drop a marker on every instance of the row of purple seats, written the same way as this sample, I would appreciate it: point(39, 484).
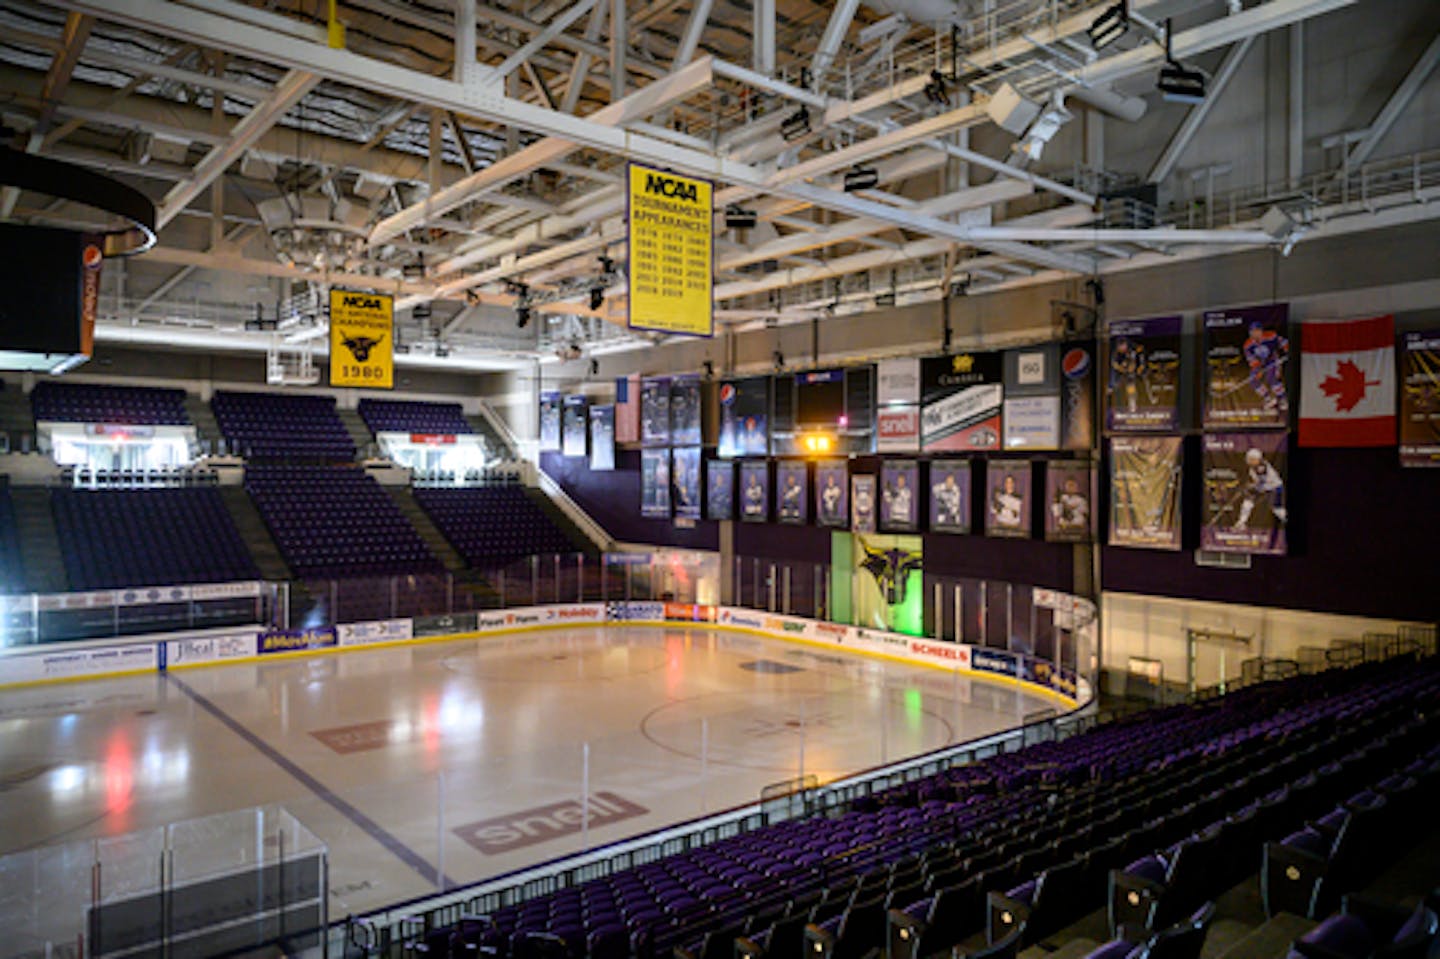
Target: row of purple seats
point(409, 416)
point(283, 426)
point(335, 522)
point(60, 402)
point(156, 537)
point(12, 571)
point(490, 526)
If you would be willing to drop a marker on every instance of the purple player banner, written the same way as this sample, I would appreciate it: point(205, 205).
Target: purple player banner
point(792, 494)
point(899, 484)
point(1420, 399)
point(685, 480)
point(755, 491)
point(719, 489)
point(1247, 354)
point(1069, 502)
point(950, 496)
point(1245, 509)
point(1007, 498)
point(862, 503)
point(832, 500)
point(1142, 390)
point(1145, 475)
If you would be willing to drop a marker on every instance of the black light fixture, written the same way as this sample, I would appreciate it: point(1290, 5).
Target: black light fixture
point(738, 219)
point(935, 89)
point(1110, 26)
point(422, 311)
point(597, 297)
point(796, 125)
point(594, 367)
point(709, 369)
point(522, 316)
point(779, 361)
point(1178, 83)
point(522, 302)
point(416, 270)
point(861, 178)
point(441, 350)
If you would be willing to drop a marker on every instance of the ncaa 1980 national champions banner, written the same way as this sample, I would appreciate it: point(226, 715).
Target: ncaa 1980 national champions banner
point(1245, 509)
point(1145, 491)
point(1247, 355)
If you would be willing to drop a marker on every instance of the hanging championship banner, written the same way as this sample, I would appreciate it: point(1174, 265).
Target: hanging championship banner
point(362, 339)
point(961, 397)
point(792, 498)
point(832, 502)
point(755, 491)
point(1142, 393)
point(1069, 502)
point(1077, 395)
point(671, 233)
point(1007, 498)
point(862, 503)
point(719, 489)
point(1244, 493)
point(1420, 399)
point(655, 411)
point(602, 438)
point(744, 417)
point(655, 484)
point(685, 475)
point(949, 496)
point(1145, 491)
point(550, 422)
point(899, 481)
point(1246, 355)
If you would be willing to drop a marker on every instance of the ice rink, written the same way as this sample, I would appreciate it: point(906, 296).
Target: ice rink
point(465, 759)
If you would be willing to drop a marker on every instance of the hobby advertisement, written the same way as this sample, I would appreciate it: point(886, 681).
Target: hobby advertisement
point(1145, 478)
point(1420, 399)
point(1247, 359)
point(1244, 509)
point(1142, 385)
point(1007, 499)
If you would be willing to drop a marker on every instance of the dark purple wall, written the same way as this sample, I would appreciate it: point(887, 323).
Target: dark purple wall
point(1363, 540)
point(613, 500)
point(1029, 561)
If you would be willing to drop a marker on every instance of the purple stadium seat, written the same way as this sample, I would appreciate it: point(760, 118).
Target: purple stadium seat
point(490, 526)
point(405, 416)
point(283, 427)
point(62, 402)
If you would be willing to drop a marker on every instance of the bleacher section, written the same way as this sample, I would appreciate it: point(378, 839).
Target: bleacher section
point(405, 416)
point(12, 571)
point(122, 405)
point(161, 537)
point(335, 522)
point(283, 426)
point(490, 526)
point(995, 856)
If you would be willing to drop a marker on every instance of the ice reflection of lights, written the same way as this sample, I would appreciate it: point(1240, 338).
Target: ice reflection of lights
point(67, 779)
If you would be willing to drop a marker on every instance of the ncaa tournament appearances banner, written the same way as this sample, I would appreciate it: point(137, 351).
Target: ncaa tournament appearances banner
point(1246, 354)
point(671, 232)
point(1142, 393)
point(1244, 493)
point(1145, 492)
point(362, 348)
point(1420, 399)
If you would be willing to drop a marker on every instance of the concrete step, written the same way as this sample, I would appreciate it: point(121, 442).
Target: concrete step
point(427, 529)
point(207, 429)
point(39, 542)
point(557, 516)
point(360, 434)
point(255, 533)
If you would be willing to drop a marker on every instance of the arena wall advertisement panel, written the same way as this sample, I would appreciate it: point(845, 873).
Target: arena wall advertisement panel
point(1145, 477)
point(1142, 391)
point(1420, 399)
point(1247, 355)
point(897, 402)
point(444, 624)
point(200, 650)
point(296, 640)
point(961, 399)
point(90, 661)
point(1077, 395)
point(744, 417)
point(378, 631)
point(1245, 508)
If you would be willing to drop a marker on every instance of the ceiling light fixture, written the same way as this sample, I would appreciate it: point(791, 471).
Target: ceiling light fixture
point(1110, 26)
point(935, 89)
point(861, 178)
point(1178, 83)
point(738, 219)
point(796, 125)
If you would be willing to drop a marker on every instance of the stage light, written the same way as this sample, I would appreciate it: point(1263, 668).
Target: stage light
point(796, 125)
point(935, 89)
point(1177, 82)
point(738, 219)
point(861, 178)
point(1110, 25)
point(522, 316)
point(597, 297)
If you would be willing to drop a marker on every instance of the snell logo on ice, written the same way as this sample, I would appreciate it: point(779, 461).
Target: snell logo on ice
point(531, 826)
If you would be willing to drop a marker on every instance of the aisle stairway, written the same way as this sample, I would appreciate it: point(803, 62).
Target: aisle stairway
point(39, 543)
point(433, 538)
point(359, 433)
point(255, 533)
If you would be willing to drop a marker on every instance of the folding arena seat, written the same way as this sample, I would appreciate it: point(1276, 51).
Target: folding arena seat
point(1184, 940)
point(1363, 929)
point(1306, 872)
point(1155, 890)
point(1039, 906)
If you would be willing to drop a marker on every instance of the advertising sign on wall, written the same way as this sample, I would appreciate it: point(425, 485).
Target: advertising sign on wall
point(961, 399)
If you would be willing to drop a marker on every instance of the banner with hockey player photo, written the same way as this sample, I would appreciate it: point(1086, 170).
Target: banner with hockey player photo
point(655, 411)
point(862, 504)
point(1347, 382)
point(755, 491)
point(550, 422)
point(655, 483)
point(575, 425)
point(1142, 388)
point(949, 496)
point(1007, 498)
point(899, 483)
point(792, 497)
point(685, 411)
point(685, 480)
point(719, 489)
point(1069, 502)
point(1145, 476)
point(602, 438)
point(832, 500)
point(1247, 354)
point(1420, 399)
point(1244, 508)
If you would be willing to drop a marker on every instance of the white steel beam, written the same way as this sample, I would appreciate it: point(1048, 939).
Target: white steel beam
point(619, 42)
point(1396, 105)
point(76, 32)
point(1295, 107)
point(1195, 119)
point(465, 62)
point(583, 60)
point(536, 43)
point(690, 38)
point(762, 37)
point(830, 41)
point(285, 94)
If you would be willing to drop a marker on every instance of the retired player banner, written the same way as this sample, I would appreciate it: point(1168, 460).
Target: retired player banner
point(862, 503)
point(685, 481)
point(755, 491)
point(1069, 502)
point(655, 411)
point(550, 421)
point(1247, 353)
point(362, 339)
point(1420, 399)
point(574, 425)
point(792, 495)
point(1347, 382)
point(832, 502)
point(655, 483)
point(1007, 498)
point(899, 484)
point(685, 411)
point(1142, 391)
point(671, 234)
point(1245, 508)
point(602, 438)
point(1145, 491)
point(950, 496)
point(719, 489)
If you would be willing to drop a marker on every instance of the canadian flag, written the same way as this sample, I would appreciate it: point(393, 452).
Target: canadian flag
point(1347, 382)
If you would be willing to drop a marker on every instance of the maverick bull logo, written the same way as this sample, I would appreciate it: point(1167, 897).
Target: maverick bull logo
point(360, 346)
point(891, 569)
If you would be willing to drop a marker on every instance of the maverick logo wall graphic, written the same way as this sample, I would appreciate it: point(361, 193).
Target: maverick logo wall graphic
point(891, 569)
point(361, 339)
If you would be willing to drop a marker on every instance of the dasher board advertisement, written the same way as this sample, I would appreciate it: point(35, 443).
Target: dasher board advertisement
point(671, 224)
point(362, 339)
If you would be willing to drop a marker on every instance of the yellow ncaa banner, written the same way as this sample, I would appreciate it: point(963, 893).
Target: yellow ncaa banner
point(671, 232)
point(362, 339)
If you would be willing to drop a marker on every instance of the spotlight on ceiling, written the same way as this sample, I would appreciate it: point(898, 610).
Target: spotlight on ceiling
point(796, 125)
point(522, 302)
point(1177, 82)
point(597, 297)
point(522, 316)
point(861, 178)
point(738, 219)
point(1110, 26)
point(422, 311)
point(935, 89)
point(415, 270)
